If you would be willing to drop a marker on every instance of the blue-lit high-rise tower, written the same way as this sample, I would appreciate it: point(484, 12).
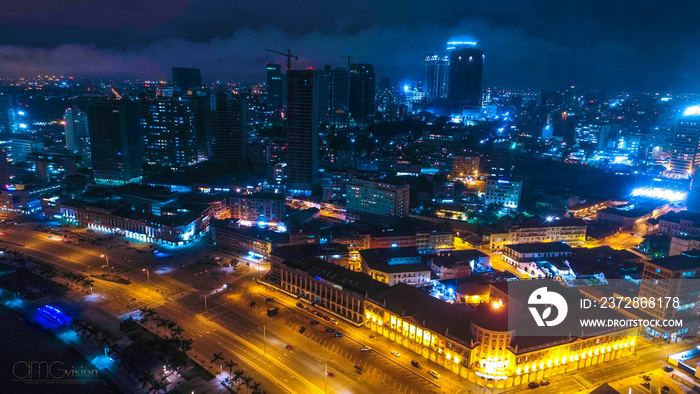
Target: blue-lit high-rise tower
point(466, 73)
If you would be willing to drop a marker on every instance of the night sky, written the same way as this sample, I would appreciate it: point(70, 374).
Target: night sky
point(612, 45)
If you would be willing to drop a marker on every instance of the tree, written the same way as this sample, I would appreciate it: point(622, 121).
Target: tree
point(246, 381)
point(256, 387)
point(176, 332)
point(171, 325)
point(163, 323)
point(146, 379)
point(157, 386)
point(217, 357)
point(230, 364)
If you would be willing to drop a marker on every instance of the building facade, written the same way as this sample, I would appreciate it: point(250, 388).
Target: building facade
point(376, 201)
point(503, 192)
point(302, 132)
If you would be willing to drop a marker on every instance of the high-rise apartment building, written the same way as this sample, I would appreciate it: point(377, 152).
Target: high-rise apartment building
point(171, 128)
point(187, 78)
point(362, 92)
point(302, 132)
point(76, 132)
point(437, 68)
point(117, 158)
point(340, 96)
point(686, 144)
point(323, 92)
point(376, 202)
point(275, 87)
point(227, 125)
point(8, 116)
point(465, 75)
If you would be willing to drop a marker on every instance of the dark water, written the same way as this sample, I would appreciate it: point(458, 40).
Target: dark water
point(23, 342)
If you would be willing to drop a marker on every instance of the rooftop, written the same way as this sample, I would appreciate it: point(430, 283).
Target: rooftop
point(541, 247)
point(685, 261)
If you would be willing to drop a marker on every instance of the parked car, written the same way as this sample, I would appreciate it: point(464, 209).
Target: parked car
point(365, 349)
point(268, 299)
point(252, 304)
point(338, 334)
point(300, 305)
point(358, 369)
point(434, 374)
point(302, 329)
point(395, 353)
point(415, 363)
point(544, 383)
point(313, 322)
point(533, 385)
point(668, 369)
point(330, 330)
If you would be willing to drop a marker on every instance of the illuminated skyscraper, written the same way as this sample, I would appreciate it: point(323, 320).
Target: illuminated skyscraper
point(187, 78)
point(8, 116)
point(362, 91)
point(302, 131)
point(686, 143)
point(170, 132)
point(274, 85)
point(466, 72)
point(117, 158)
point(76, 132)
point(437, 69)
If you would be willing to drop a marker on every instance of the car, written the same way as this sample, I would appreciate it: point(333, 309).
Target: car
point(395, 353)
point(302, 329)
point(313, 322)
point(434, 374)
point(544, 383)
point(415, 363)
point(365, 349)
point(252, 304)
point(288, 347)
point(533, 385)
point(334, 321)
point(330, 330)
point(330, 375)
point(268, 299)
point(358, 369)
point(338, 334)
point(668, 369)
point(300, 305)
point(326, 318)
point(3, 233)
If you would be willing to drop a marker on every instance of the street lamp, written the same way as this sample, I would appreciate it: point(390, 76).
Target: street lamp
point(107, 260)
point(325, 384)
point(88, 269)
point(148, 278)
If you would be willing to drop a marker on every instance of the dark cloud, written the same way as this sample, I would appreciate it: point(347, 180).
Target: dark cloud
point(639, 45)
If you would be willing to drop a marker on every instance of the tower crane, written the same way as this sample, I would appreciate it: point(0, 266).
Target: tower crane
point(288, 55)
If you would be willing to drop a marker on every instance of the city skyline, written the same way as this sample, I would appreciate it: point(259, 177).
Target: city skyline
point(623, 46)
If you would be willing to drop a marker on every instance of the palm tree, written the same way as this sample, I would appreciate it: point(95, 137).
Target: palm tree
point(146, 379)
point(176, 332)
point(246, 381)
point(256, 387)
point(217, 357)
point(230, 364)
point(163, 323)
point(157, 386)
point(171, 325)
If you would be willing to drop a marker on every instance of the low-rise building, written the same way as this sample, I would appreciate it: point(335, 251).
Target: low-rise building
point(25, 198)
point(395, 265)
point(625, 219)
point(258, 207)
point(456, 263)
point(571, 231)
point(230, 235)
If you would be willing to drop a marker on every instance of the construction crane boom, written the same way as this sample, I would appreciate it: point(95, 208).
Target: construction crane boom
point(357, 57)
point(288, 55)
